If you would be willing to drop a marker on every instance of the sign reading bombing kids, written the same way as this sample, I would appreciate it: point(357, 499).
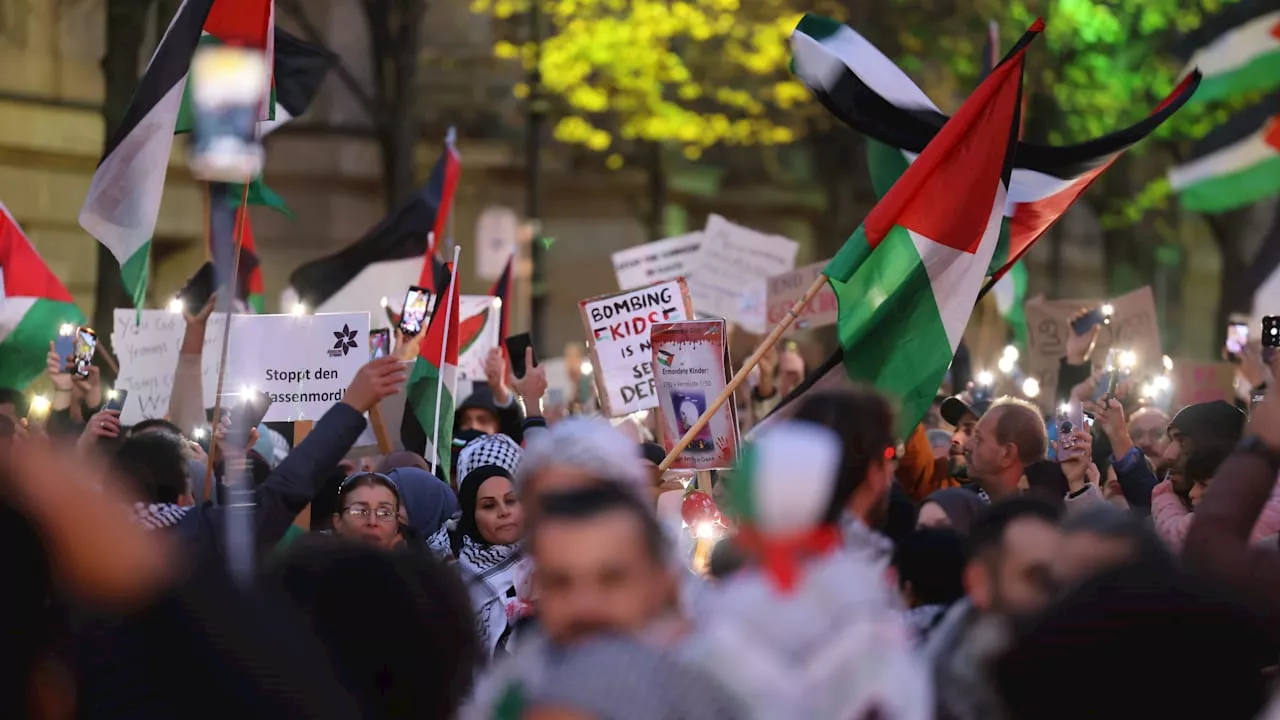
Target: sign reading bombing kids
point(618, 329)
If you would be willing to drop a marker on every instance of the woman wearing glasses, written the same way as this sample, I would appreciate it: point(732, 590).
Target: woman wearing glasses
point(369, 510)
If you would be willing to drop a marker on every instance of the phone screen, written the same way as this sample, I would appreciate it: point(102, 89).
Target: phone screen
point(414, 314)
point(1088, 321)
point(249, 411)
point(1237, 338)
point(1271, 331)
point(65, 345)
point(516, 346)
point(86, 344)
point(199, 288)
point(379, 343)
point(116, 398)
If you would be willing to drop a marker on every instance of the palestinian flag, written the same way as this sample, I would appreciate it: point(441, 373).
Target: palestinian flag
point(444, 176)
point(249, 285)
point(864, 89)
point(434, 380)
point(124, 198)
point(1235, 165)
point(388, 259)
point(908, 279)
point(33, 305)
point(1237, 50)
point(502, 290)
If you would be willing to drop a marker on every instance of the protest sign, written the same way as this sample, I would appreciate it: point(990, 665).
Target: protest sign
point(146, 344)
point(304, 362)
point(733, 260)
point(617, 329)
point(656, 261)
point(478, 331)
point(1197, 382)
point(786, 288)
point(1134, 326)
point(691, 364)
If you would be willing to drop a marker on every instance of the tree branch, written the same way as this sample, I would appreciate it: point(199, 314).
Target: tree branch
point(293, 9)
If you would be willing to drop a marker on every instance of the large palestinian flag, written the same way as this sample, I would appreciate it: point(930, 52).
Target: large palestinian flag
point(863, 88)
point(1235, 165)
point(434, 381)
point(33, 305)
point(124, 199)
point(1237, 50)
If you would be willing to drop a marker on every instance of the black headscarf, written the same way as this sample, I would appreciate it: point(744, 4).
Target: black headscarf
point(467, 494)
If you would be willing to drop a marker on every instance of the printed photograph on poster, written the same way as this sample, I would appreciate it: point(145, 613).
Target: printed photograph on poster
point(617, 329)
point(691, 366)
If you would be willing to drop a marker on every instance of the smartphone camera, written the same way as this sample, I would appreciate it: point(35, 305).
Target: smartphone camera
point(1271, 331)
point(86, 342)
point(414, 315)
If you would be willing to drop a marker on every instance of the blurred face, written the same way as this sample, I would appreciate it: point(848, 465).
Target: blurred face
point(596, 575)
point(499, 517)
point(555, 479)
point(959, 465)
point(480, 420)
point(1149, 431)
point(931, 515)
point(369, 514)
point(1084, 554)
point(790, 371)
point(1017, 579)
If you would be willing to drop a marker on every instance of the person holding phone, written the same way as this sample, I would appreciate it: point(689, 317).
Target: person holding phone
point(75, 397)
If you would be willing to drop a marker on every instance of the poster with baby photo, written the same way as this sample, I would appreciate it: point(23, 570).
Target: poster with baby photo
point(691, 365)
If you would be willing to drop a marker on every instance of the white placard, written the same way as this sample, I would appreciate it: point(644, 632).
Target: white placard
point(478, 331)
point(617, 328)
point(733, 259)
point(305, 362)
point(496, 234)
point(147, 344)
point(656, 261)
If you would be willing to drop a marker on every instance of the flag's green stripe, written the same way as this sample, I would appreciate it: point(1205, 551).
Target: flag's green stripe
point(890, 327)
point(261, 195)
point(1001, 256)
point(743, 498)
point(851, 256)
point(1017, 316)
point(23, 352)
point(135, 272)
point(257, 302)
point(1228, 192)
point(423, 385)
point(818, 27)
point(886, 164)
point(1258, 75)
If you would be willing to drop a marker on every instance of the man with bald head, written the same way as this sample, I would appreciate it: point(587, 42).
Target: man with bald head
point(1010, 437)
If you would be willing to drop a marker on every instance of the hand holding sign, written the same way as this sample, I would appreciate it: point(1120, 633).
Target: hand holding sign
point(378, 379)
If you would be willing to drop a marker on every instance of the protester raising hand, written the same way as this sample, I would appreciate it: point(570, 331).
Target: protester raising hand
point(1080, 347)
point(378, 379)
point(104, 425)
point(1109, 413)
point(89, 387)
point(407, 346)
point(495, 373)
point(1075, 453)
point(533, 386)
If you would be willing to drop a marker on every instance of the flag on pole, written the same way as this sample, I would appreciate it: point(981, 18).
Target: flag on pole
point(442, 184)
point(124, 198)
point(434, 380)
point(1237, 50)
point(502, 290)
point(908, 278)
point(864, 89)
point(33, 306)
point(1235, 165)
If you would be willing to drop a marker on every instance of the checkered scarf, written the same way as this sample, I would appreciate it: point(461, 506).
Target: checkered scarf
point(158, 516)
point(497, 450)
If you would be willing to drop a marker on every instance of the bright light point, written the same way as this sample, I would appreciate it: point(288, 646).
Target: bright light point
point(1128, 359)
point(383, 301)
point(1065, 408)
point(1031, 387)
point(197, 434)
point(111, 394)
point(706, 530)
point(1149, 390)
point(1010, 352)
point(299, 309)
point(39, 405)
point(1107, 310)
point(246, 390)
point(1168, 363)
point(175, 306)
point(497, 303)
point(585, 368)
point(1161, 383)
point(67, 329)
point(986, 378)
point(1006, 364)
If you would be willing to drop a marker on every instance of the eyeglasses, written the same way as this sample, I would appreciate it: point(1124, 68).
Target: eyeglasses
point(360, 512)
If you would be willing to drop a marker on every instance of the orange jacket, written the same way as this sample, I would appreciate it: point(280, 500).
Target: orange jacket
point(919, 473)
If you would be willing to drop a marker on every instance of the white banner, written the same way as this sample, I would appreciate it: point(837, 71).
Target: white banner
point(734, 262)
point(656, 261)
point(478, 333)
point(304, 362)
point(147, 345)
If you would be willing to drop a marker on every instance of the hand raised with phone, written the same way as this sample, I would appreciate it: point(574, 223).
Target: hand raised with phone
point(56, 369)
point(378, 379)
point(1075, 455)
point(104, 425)
point(1080, 345)
point(533, 386)
point(495, 373)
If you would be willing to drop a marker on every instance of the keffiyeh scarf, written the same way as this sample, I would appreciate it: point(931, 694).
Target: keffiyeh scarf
point(492, 573)
point(158, 516)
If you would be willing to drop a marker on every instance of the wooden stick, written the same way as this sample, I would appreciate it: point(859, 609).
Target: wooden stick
point(770, 340)
point(301, 429)
point(380, 430)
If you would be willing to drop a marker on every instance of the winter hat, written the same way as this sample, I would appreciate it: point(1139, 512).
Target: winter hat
point(1217, 422)
point(961, 506)
point(497, 450)
point(588, 443)
point(782, 486)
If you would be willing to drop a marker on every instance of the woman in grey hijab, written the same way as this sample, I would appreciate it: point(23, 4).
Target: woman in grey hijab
point(428, 504)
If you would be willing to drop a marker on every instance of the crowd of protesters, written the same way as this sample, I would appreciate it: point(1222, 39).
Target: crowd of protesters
point(1130, 567)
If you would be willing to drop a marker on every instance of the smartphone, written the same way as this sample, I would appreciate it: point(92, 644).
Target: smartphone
point(516, 346)
point(65, 345)
point(1070, 419)
point(227, 86)
point(379, 343)
point(199, 289)
point(414, 314)
point(86, 343)
point(1088, 321)
point(249, 411)
point(115, 400)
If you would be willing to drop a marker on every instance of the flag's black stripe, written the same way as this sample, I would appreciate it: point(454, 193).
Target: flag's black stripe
point(860, 107)
point(1240, 126)
point(1221, 23)
point(299, 70)
point(168, 66)
point(1015, 128)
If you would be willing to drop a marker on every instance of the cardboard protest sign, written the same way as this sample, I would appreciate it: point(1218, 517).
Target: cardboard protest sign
point(304, 362)
point(656, 261)
point(691, 364)
point(735, 260)
point(1197, 382)
point(1134, 326)
point(146, 344)
point(618, 338)
point(786, 288)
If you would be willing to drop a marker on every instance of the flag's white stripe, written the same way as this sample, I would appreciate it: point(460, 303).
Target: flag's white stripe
point(12, 310)
point(1238, 47)
point(820, 64)
point(266, 127)
point(1227, 161)
point(956, 276)
point(123, 203)
point(1025, 186)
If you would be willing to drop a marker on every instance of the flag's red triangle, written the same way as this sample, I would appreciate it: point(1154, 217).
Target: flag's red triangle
point(440, 344)
point(24, 272)
point(1275, 31)
point(452, 169)
point(1272, 136)
point(240, 22)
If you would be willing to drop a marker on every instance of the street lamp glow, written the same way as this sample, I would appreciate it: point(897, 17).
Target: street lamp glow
point(985, 378)
point(175, 306)
point(1031, 387)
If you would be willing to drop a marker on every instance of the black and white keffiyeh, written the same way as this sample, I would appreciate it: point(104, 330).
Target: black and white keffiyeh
point(158, 516)
point(490, 573)
point(499, 450)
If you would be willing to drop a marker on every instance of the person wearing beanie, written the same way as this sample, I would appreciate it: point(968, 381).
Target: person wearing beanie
point(578, 451)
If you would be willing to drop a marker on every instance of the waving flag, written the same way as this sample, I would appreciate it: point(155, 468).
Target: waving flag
point(434, 380)
point(502, 290)
point(443, 184)
point(1237, 50)
point(1235, 165)
point(33, 305)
